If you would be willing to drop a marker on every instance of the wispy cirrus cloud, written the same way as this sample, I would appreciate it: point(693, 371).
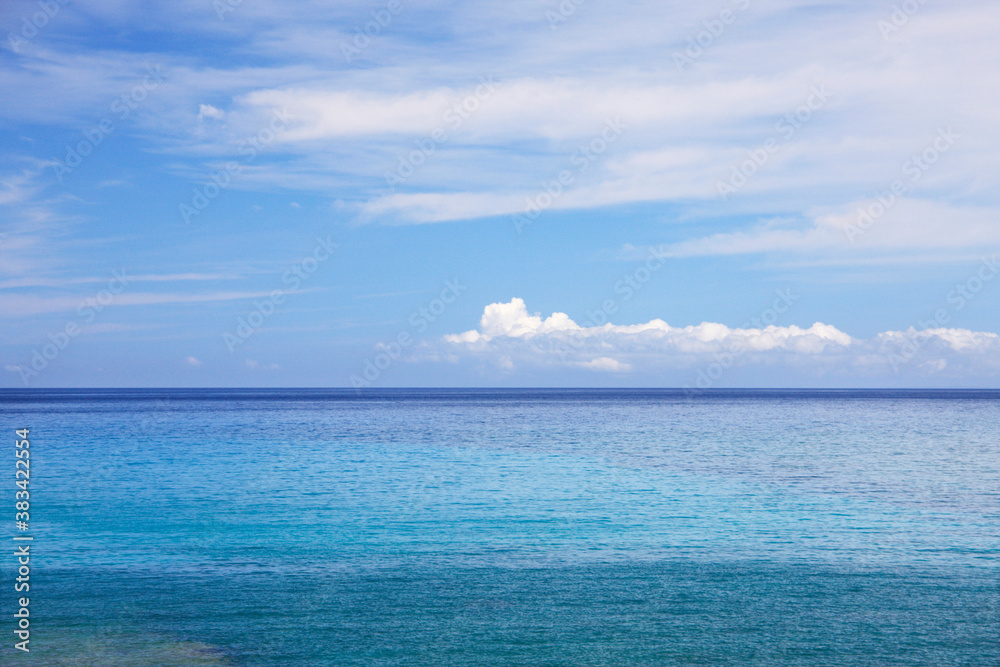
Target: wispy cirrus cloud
point(907, 225)
point(154, 278)
point(23, 305)
point(688, 129)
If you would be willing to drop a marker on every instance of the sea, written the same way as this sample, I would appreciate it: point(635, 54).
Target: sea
point(505, 527)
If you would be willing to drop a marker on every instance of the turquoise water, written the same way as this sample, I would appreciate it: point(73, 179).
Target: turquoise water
point(436, 527)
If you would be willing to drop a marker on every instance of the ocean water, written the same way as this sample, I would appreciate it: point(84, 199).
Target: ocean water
point(515, 527)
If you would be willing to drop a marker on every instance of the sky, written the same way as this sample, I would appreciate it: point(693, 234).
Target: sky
point(733, 193)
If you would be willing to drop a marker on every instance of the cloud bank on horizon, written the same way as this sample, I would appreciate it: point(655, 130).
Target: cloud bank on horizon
point(509, 338)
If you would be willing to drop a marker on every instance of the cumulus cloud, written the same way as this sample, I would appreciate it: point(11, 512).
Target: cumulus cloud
point(509, 337)
point(511, 320)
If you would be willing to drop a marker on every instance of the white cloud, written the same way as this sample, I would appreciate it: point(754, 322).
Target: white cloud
point(529, 107)
point(23, 305)
point(605, 364)
point(909, 224)
point(65, 282)
point(32, 224)
point(193, 361)
point(253, 364)
point(208, 111)
point(958, 340)
point(510, 337)
point(687, 129)
point(512, 321)
point(19, 187)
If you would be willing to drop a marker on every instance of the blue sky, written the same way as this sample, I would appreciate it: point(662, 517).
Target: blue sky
point(748, 193)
